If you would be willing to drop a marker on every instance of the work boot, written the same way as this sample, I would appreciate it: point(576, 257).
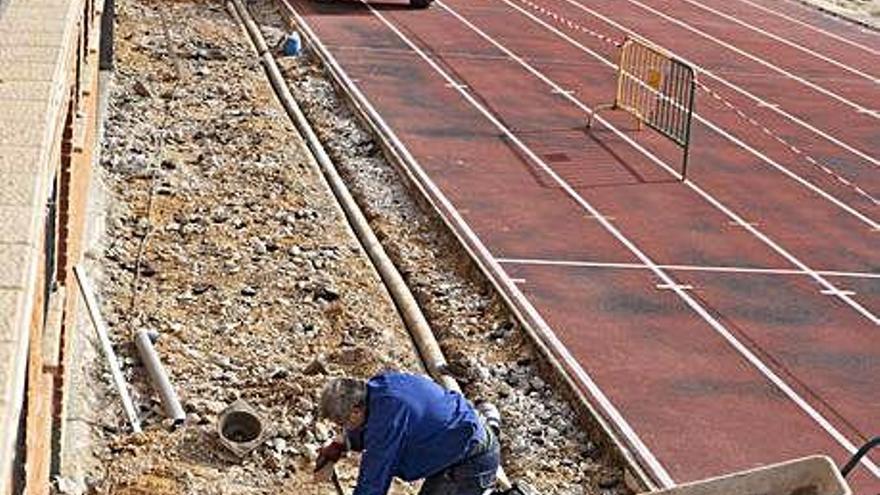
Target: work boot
point(518, 488)
point(491, 416)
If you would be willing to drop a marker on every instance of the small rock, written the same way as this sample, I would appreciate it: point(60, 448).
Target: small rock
point(326, 293)
point(200, 288)
point(322, 432)
point(504, 390)
point(279, 373)
point(316, 367)
point(219, 215)
point(279, 445)
point(259, 246)
point(141, 89)
point(147, 269)
point(311, 452)
point(608, 480)
point(69, 486)
point(214, 406)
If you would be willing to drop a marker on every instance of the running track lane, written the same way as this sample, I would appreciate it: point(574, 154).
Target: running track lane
point(683, 387)
point(756, 67)
point(731, 164)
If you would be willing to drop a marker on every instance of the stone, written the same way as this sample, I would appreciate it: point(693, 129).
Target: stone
point(70, 486)
point(316, 367)
point(259, 246)
point(609, 480)
point(279, 445)
point(141, 89)
point(327, 293)
point(279, 373)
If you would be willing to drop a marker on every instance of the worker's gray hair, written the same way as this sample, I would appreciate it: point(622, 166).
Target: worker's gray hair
point(341, 396)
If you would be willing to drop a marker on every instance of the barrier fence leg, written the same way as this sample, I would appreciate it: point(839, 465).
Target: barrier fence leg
point(609, 106)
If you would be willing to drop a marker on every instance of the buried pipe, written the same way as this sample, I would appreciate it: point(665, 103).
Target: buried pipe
point(415, 321)
point(240, 428)
point(420, 331)
point(144, 341)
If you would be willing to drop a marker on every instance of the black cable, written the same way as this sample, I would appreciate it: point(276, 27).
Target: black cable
point(854, 460)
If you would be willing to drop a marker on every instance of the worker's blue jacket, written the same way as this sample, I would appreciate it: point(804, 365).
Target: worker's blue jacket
point(414, 429)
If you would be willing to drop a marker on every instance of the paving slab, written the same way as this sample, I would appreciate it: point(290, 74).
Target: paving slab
point(11, 301)
point(14, 265)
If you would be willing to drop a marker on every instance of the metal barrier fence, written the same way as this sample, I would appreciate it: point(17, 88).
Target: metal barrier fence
point(658, 90)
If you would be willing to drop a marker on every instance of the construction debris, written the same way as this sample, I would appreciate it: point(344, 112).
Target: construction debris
point(144, 340)
point(223, 237)
point(241, 429)
point(253, 272)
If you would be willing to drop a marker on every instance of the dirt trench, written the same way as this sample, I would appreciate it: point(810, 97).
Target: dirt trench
point(222, 236)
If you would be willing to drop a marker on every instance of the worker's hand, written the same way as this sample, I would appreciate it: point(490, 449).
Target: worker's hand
point(328, 455)
point(325, 473)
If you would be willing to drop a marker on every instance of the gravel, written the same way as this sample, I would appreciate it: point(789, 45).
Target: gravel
point(545, 441)
point(223, 237)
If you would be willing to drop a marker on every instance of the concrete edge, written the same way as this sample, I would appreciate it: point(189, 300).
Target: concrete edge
point(537, 330)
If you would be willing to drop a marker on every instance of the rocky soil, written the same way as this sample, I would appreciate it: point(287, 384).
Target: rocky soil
point(867, 11)
point(223, 237)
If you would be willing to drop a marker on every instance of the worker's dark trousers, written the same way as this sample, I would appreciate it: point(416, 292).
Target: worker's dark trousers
point(472, 476)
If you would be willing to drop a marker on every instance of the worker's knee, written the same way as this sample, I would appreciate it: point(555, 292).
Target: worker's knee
point(470, 477)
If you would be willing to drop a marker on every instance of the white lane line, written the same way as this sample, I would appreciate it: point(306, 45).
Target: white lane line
point(822, 281)
point(757, 99)
point(871, 223)
point(784, 41)
point(649, 457)
point(689, 268)
point(837, 292)
point(675, 287)
point(812, 27)
point(518, 280)
point(545, 336)
point(664, 277)
point(757, 59)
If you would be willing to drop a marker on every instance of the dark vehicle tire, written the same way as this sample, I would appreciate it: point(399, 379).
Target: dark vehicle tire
point(420, 4)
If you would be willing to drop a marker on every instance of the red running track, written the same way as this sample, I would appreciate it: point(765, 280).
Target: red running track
point(717, 324)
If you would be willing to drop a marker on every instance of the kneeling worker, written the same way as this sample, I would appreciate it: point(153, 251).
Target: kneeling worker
point(409, 427)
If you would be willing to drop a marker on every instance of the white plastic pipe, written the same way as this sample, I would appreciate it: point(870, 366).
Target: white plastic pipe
point(144, 342)
point(88, 293)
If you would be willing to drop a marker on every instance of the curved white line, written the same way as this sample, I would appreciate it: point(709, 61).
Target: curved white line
point(807, 25)
point(784, 41)
point(757, 99)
